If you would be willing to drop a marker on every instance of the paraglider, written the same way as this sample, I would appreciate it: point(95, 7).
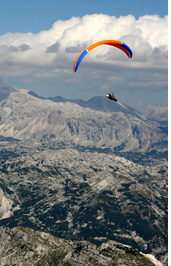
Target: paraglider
point(111, 97)
point(118, 44)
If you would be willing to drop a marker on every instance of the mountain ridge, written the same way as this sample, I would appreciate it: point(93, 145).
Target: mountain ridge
point(99, 103)
point(26, 116)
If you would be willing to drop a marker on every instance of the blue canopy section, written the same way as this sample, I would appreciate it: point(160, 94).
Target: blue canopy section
point(80, 59)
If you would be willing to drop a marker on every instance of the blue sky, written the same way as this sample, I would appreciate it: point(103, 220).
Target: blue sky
point(40, 40)
point(37, 15)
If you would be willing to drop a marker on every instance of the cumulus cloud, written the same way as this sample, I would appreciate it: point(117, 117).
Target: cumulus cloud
point(50, 53)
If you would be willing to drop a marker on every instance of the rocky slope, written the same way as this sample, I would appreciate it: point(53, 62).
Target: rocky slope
point(80, 194)
point(23, 246)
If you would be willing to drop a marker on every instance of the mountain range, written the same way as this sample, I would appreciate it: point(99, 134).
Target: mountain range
point(99, 124)
point(81, 174)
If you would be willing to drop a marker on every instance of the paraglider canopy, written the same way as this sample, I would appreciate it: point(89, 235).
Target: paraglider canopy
point(118, 44)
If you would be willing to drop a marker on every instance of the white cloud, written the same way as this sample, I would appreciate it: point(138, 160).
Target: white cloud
point(142, 35)
point(154, 30)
